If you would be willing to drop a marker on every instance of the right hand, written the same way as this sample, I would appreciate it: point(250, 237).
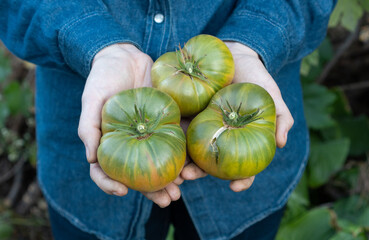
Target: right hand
point(115, 68)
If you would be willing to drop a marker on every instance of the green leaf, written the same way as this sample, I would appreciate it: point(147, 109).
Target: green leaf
point(298, 202)
point(317, 106)
point(315, 224)
point(309, 61)
point(314, 73)
point(170, 235)
point(357, 130)
point(305, 68)
point(354, 209)
point(4, 65)
point(326, 51)
point(341, 235)
point(301, 193)
point(352, 230)
point(341, 105)
point(349, 177)
point(326, 158)
point(32, 154)
point(4, 113)
point(347, 13)
point(364, 4)
point(18, 98)
point(352, 14)
point(6, 230)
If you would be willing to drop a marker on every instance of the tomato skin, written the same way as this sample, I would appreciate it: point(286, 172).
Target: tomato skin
point(145, 162)
point(193, 93)
point(238, 152)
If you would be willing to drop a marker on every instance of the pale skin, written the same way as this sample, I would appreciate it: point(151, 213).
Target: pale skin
point(123, 66)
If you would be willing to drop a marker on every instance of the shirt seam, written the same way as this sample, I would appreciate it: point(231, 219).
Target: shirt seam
point(164, 26)
point(150, 32)
point(64, 29)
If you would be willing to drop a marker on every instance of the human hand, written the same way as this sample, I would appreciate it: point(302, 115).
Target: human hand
point(249, 68)
point(115, 68)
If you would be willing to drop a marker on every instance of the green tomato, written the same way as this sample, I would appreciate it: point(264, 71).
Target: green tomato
point(234, 137)
point(192, 75)
point(143, 145)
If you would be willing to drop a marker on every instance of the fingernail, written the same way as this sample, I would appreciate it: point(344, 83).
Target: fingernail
point(285, 135)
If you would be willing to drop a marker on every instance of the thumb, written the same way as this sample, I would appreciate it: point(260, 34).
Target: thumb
point(284, 124)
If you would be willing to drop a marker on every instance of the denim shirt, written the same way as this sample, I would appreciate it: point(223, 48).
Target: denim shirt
point(62, 37)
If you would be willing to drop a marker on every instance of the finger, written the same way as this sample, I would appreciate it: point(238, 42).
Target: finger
point(173, 191)
point(192, 172)
point(242, 184)
point(89, 126)
point(284, 124)
point(178, 181)
point(105, 183)
point(161, 198)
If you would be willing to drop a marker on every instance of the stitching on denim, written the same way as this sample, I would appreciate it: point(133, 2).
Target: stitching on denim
point(164, 25)
point(145, 36)
point(64, 29)
point(173, 29)
point(149, 37)
point(170, 26)
point(252, 44)
point(281, 29)
point(275, 24)
point(150, 32)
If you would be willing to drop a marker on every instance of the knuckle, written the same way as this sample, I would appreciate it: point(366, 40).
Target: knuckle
point(291, 121)
point(144, 57)
point(81, 132)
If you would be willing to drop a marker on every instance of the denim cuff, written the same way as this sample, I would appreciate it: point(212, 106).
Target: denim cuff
point(80, 39)
point(258, 32)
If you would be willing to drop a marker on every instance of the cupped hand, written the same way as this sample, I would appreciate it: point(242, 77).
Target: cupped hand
point(249, 68)
point(115, 68)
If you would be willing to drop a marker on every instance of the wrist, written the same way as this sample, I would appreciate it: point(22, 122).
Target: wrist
point(239, 48)
point(116, 50)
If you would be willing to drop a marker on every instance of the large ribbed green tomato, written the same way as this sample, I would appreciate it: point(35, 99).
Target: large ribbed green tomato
point(234, 137)
point(192, 75)
point(142, 145)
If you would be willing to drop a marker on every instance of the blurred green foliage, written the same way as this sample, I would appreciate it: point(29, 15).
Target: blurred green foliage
point(16, 105)
point(337, 135)
point(17, 140)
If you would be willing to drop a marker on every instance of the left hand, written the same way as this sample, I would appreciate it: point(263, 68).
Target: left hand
point(249, 68)
point(115, 68)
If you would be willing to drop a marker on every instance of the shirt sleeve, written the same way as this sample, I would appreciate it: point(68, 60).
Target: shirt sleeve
point(59, 34)
point(280, 31)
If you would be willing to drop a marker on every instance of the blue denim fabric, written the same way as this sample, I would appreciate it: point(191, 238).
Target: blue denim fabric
point(62, 37)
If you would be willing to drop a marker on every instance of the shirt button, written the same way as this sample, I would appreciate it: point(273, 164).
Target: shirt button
point(159, 18)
